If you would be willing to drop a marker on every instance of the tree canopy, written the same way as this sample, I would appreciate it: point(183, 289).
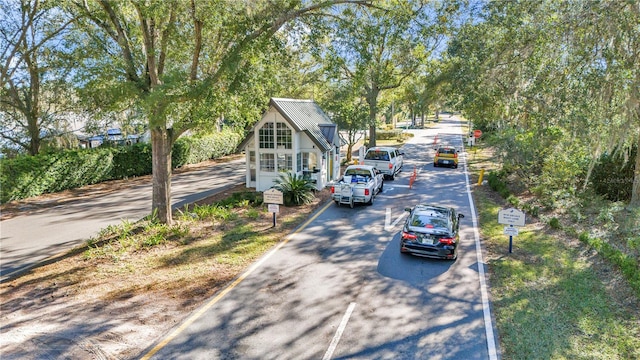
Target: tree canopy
point(558, 82)
point(558, 79)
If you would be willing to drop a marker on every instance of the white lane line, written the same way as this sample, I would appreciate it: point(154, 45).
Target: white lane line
point(387, 219)
point(338, 335)
point(486, 309)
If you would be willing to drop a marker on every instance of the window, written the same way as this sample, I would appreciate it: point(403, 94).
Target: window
point(309, 161)
point(373, 154)
point(285, 162)
point(265, 136)
point(267, 163)
point(299, 162)
point(252, 166)
point(283, 136)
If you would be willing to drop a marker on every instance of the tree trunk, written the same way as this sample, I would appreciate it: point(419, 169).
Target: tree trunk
point(372, 100)
point(635, 191)
point(161, 153)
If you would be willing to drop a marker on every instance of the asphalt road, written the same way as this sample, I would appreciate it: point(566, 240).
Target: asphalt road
point(44, 234)
point(339, 288)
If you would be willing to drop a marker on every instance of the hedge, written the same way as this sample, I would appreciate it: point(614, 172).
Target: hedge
point(29, 176)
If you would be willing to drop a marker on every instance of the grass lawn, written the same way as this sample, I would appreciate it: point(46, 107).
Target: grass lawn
point(554, 297)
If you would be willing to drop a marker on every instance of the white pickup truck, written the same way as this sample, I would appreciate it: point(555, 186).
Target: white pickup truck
point(360, 184)
point(388, 160)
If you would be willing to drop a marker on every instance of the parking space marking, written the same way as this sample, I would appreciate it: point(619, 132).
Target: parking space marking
point(338, 335)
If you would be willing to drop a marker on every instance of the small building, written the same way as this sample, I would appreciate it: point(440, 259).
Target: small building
point(114, 136)
point(293, 136)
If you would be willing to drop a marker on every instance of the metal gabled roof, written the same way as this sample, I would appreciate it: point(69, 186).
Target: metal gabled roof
point(307, 116)
point(304, 116)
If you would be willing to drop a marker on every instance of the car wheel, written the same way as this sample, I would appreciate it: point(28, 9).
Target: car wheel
point(337, 203)
point(392, 176)
point(455, 166)
point(435, 164)
point(381, 187)
point(351, 202)
point(371, 200)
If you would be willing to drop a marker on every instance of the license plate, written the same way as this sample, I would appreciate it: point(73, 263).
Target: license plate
point(428, 240)
point(445, 161)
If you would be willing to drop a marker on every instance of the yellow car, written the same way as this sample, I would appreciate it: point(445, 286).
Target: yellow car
point(446, 156)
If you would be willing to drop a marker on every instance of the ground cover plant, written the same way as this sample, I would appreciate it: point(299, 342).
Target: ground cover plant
point(555, 296)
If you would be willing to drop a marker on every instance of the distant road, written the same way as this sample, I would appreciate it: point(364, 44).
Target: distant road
point(28, 239)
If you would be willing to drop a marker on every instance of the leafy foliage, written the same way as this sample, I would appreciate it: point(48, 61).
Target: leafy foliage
point(557, 81)
point(34, 88)
point(613, 175)
point(295, 188)
point(28, 176)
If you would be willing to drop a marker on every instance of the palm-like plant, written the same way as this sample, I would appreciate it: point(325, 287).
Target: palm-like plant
point(295, 189)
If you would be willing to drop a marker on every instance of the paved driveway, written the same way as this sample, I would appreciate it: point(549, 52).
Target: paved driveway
point(37, 235)
point(339, 287)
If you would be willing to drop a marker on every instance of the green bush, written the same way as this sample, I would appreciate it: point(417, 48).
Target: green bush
point(296, 190)
point(180, 152)
point(29, 176)
point(627, 264)
point(388, 134)
point(131, 161)
point(612, 177)
point(253, 198)
point(497, 183)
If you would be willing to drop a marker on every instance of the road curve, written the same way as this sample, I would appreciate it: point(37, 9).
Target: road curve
point(36, 236)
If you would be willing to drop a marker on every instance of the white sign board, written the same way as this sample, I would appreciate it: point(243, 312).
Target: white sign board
point(273, 196)
point(511, 217)
point(511, 230)
point(274, 208)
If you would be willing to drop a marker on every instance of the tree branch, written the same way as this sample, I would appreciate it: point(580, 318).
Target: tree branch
point(122, 40)
point(197, 29)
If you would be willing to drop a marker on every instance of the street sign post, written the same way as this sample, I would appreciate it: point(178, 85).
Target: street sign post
point(273, 197)
point(511, 217)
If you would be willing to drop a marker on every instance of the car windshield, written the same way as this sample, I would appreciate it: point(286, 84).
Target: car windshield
point(377, 155)
point(447, 151)
point(429, 222)
point(359, 172)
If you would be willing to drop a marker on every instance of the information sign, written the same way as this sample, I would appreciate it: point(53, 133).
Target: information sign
point(511, 217)
point(511, 230)
point(273, 196)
